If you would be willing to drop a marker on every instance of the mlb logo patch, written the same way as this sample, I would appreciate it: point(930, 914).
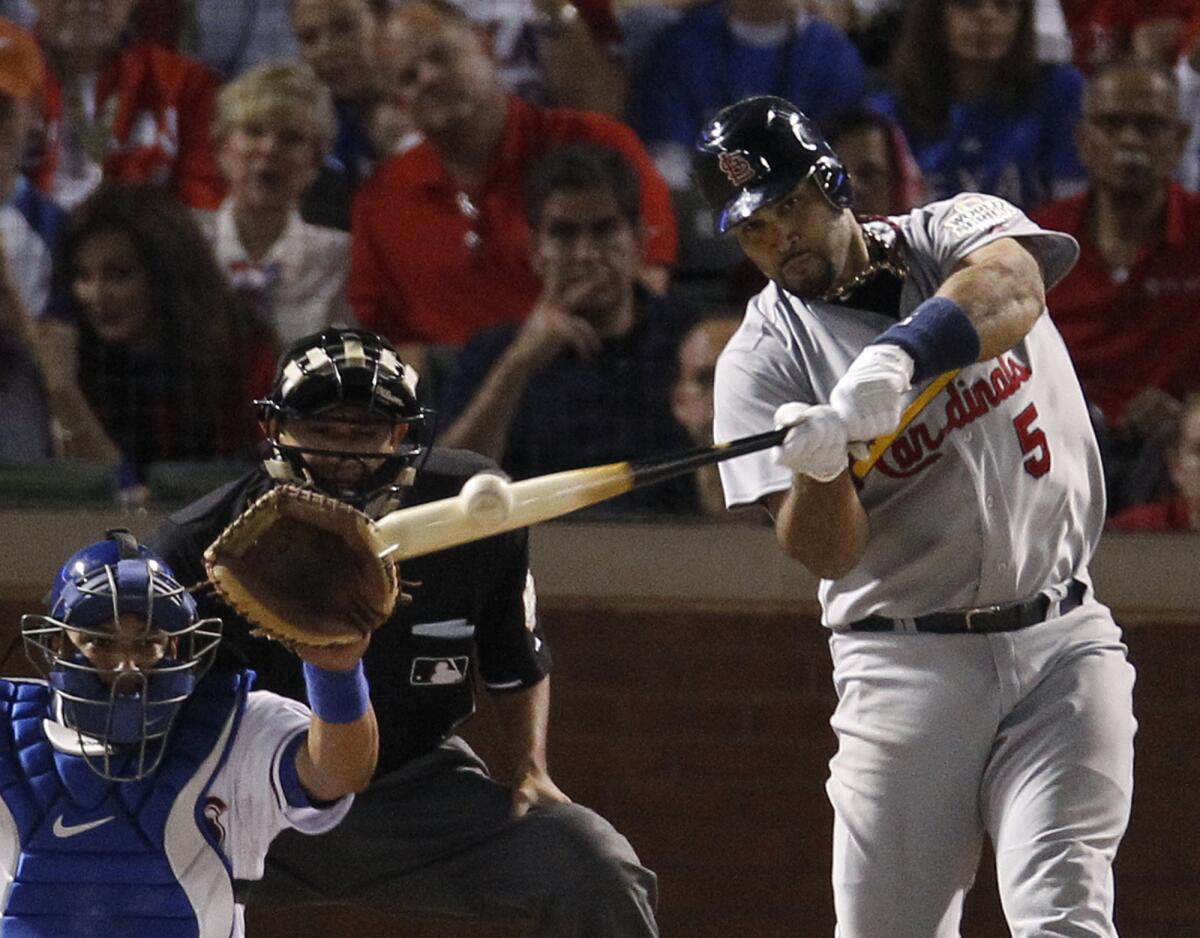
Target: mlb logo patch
point(426, 671)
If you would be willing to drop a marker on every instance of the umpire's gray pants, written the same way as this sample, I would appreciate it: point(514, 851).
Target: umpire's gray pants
point(436, 838)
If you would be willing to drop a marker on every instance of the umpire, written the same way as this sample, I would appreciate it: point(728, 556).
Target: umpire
point(434, 833)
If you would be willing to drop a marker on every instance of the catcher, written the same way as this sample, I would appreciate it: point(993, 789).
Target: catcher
point(434, 832)
point(138, 781)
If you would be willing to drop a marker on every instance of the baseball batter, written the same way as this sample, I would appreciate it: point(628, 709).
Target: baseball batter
point(981, 686)
point(138, 783)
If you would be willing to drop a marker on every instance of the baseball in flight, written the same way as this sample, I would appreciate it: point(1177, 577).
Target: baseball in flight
point(486, 499)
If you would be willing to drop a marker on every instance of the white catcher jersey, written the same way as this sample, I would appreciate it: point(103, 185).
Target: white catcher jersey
point(245, 804)
point(993, 494)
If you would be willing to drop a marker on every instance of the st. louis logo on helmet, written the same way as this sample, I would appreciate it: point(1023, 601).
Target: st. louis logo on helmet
point(736, 167)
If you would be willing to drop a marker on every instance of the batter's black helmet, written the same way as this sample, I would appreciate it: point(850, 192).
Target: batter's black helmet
point(338, 368)
point(757, 151)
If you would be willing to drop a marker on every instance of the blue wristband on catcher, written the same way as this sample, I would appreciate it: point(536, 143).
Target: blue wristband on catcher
point(337, 696)
point(938, 336)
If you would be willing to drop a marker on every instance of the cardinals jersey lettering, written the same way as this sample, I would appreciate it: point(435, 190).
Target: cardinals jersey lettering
point(993, 494)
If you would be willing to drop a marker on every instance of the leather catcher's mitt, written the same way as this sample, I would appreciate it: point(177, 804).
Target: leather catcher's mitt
point(303, 568)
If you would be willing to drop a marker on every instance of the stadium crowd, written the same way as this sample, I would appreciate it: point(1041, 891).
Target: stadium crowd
point(502, 190)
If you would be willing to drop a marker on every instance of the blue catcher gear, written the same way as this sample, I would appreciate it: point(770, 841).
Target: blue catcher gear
point(755, 152)
point(359, 376)
point(120, 686)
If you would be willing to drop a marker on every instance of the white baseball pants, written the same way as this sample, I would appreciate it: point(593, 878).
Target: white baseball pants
point(1027, 735)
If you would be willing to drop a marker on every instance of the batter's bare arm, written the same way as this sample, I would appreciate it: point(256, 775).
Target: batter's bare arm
point(1000, 288)
point(821, 524)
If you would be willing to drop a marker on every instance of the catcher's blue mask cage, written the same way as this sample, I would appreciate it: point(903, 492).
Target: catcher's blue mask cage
point(122, 712)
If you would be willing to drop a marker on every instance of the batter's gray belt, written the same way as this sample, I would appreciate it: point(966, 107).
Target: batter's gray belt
point(1007, 618)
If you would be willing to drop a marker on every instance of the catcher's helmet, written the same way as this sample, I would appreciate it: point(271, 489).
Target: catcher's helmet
point(121, 713)
point(336, 369)
point(756, 152)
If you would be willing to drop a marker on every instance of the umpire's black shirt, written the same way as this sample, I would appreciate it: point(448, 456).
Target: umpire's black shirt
point(472, 608)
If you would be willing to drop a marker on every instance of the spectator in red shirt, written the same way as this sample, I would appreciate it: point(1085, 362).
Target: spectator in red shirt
point(1128, 308)
point(129, 112)
point(440, 245)
point(1105, 30)
point(1181, 510)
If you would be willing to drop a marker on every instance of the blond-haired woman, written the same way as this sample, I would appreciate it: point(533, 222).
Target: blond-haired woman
point(272, 129)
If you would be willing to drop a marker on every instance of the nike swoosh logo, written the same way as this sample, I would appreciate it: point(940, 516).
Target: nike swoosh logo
point(70, 830)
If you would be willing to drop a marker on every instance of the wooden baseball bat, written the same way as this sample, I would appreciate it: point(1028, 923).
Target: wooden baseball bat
point(433, 526)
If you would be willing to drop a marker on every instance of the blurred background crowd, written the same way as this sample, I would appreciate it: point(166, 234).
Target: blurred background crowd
point(501, 187)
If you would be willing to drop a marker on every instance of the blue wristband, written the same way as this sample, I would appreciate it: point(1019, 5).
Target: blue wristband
point(938, 336)
point(337, 696)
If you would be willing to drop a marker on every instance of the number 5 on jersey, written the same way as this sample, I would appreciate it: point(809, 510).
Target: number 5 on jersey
point(1034, 444)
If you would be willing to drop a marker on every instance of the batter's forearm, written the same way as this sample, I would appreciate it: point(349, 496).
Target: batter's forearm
point(1000, 288)
point(821, 524)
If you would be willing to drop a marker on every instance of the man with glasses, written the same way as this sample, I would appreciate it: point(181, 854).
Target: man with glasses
point(440, 246)
point(1126, 309)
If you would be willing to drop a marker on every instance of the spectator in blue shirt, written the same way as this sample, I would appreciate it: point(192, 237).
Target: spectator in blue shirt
point(722, 52)
point(981, 114)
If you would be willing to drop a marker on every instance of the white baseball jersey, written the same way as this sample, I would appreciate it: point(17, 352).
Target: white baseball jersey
point(993, 494)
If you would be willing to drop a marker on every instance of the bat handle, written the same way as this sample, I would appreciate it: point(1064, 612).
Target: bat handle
point(648, 471)
point(880, 445)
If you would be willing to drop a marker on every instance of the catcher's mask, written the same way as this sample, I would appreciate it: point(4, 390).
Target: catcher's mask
point(353, 377)
point(755, 152)
point(122, 649)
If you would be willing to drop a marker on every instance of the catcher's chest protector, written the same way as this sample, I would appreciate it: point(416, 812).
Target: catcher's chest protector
point(94, 857)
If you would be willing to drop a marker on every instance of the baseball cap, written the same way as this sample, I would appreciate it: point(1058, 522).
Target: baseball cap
point(22, 70)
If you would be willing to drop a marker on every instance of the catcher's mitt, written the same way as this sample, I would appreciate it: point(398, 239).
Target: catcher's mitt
point(303, 568)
